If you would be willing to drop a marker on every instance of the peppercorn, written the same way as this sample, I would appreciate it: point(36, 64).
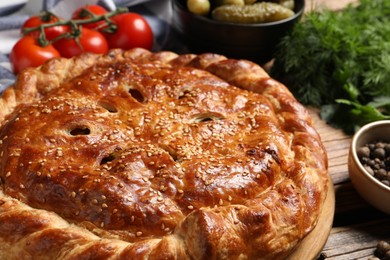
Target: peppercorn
point(375, 158)
point(381, 174)
point(387, 148)
point(387, 255)
point(363, 152)
point(383, 250)
point(379, 153)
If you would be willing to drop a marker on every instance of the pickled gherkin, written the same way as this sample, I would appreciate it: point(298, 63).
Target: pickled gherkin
point(262, 12)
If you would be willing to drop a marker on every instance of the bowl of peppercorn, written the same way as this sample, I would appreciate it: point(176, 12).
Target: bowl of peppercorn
point(369, 163)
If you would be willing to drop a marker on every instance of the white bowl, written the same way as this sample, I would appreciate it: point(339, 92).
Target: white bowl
point(370, 188)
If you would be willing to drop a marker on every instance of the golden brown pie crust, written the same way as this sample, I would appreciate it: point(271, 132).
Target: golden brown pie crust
point(136, 155)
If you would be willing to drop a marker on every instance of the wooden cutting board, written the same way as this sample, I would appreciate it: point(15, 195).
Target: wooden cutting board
point(311, 246)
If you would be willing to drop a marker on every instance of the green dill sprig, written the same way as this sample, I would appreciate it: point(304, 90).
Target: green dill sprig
point(340, 61)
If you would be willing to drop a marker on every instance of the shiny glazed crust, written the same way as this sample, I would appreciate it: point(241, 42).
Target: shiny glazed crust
point(135, 155)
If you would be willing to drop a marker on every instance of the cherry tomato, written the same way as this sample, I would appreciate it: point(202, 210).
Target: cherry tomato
point(84, 13)
point(27, 53)
point(89, 41)
point(47, 18)
point(132, 31)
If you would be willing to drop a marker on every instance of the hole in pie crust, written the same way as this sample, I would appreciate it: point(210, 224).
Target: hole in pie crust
point(205, 117)
point(184, 94)
point(80, 131)
point(137, 95)
point(107, 159)
point(107, 106)
point(172, 153)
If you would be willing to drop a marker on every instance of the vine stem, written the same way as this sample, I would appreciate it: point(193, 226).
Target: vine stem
point(74, 25)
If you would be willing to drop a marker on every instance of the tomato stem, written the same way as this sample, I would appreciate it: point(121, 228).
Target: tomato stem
point(48, 16)
point(74, 24)
point(42, 40)
point(77, 39)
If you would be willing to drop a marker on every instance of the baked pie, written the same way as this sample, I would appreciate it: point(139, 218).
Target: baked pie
point(141, 155)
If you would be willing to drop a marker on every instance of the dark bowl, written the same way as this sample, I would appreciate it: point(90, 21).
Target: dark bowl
point(256, 42)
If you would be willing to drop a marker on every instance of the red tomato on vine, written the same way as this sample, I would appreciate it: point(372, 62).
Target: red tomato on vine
point(88, 12)
point(47, 18)
point(88, 41)
point(131, 30)
point(27, 53)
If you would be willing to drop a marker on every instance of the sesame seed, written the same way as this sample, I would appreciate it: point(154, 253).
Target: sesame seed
point(190, 207)
point(139, 233)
